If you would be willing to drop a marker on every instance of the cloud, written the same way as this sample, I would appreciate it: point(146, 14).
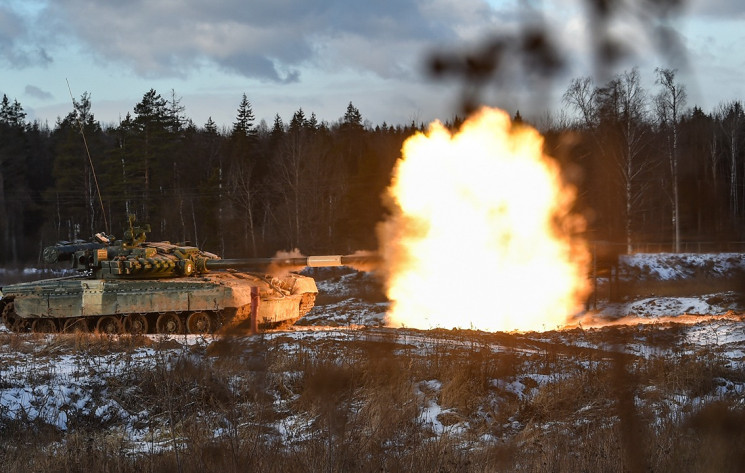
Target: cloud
point(723, 9)
point(34, 91)
point(256, 65)
point(271, 41)
point(17, 47)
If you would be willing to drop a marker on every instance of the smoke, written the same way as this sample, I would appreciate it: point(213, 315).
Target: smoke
point(279, 270)
point(366, 261)
point(396, 257)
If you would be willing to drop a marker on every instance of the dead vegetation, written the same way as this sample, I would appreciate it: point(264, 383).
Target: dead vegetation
point(371, 400)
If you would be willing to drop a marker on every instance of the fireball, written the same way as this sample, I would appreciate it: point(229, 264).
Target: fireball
point(480, 233)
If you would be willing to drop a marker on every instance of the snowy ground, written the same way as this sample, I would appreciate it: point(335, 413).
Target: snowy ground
point(478, 390)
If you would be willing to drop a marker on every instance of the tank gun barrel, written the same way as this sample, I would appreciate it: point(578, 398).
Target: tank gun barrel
point(303, 261)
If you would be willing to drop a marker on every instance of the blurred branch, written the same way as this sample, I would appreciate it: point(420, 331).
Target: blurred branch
point(532, 54)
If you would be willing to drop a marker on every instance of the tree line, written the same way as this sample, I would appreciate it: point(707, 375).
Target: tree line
point(249, 190)
point(654, 169)
point(647, 167)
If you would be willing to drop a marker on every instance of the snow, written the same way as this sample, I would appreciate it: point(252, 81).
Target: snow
point(675, 266)
point(652, 307)
point(716, 333)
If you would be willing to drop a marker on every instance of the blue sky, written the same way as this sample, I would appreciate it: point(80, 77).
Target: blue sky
point(320, 55)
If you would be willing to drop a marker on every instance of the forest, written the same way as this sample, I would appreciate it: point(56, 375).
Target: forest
point(651, 170)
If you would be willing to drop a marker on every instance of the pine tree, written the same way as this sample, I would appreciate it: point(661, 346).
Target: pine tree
point(352, 118)
point(298, 121)
point(14, 187)
point(312, 122)
point(210, 127)
point(278, 128)
point(150, 156)
point(11, 113)
point(75, 191)
point(244, 124)
point(176, 113)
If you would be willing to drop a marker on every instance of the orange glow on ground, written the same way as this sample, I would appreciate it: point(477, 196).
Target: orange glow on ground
point(480, 234)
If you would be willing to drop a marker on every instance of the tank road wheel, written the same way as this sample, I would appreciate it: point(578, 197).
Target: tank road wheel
point(135, 324)
point(109, 325)
point(11, 319)
point(6, 310)
point(43, 326)
point(169, 324)
point(79, 325)
point(200, 323)
point(20, 325)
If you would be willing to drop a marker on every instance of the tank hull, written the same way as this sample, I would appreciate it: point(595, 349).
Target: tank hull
point(225, 298)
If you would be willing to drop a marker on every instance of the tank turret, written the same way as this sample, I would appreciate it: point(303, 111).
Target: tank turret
point(105, 257)
point(139, 286)
point(135, 258)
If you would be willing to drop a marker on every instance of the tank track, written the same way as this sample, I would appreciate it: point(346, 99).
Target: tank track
point(167, 323)
point(307, 303)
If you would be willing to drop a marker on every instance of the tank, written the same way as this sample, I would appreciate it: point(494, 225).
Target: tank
point(132, 285)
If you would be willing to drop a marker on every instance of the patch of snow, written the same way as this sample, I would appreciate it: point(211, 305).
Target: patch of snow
point(514, 387)
point(670, 266)
point(716, 333)
point(654, 307)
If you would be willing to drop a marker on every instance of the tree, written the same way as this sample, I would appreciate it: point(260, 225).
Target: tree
point(245, 192)
point(243, 166)
point(298, 122)
point(700, 169)
point(210, 126)
point(633, 132)
point(352, 118)
point(14, 188)
point(11, 114)
point(149, 160)
point(581, 96)
point(278, 127)
point(77, 139)
point(731, 120)
point(291, 179)
point(615, 118)
point(175, 112)
point(669, 104)
point(312, 122)
point(244, 123)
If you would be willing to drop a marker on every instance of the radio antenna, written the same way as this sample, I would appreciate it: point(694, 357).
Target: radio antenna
point(90, 161)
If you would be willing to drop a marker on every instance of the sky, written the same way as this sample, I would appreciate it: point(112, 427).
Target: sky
point(320, 55)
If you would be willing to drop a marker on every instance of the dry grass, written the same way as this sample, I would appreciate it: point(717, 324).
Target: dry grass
point(312, 404)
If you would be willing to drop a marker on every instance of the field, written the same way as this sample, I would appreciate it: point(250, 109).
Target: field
point(340, 392)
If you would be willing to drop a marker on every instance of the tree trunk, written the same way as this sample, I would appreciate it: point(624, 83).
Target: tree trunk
point(676, 199)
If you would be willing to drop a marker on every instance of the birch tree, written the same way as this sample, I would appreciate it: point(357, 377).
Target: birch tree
point(731, 119)
point(669, 105)
point(615, 117)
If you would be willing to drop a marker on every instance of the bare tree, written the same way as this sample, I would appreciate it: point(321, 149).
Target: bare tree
point(616, 118)
point(633, 129)
point(581, 96)
point(669, 103)
point(731, 119)
point(289, 174)
point(244, 193)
